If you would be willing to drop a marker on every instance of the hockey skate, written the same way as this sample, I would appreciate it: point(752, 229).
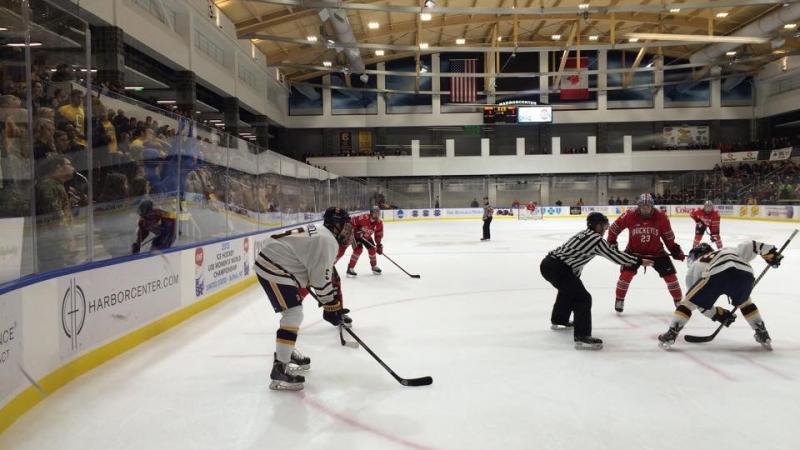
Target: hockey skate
point(346, 320)
point(619, 305)
point(376, 270)
point(588, 343)
point(351, 272)
point(283, 379)
point(298, 362)
point(762, 336)
point(561, 326)
point(667, 339)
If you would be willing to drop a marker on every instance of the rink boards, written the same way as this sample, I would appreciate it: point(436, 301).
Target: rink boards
point(56, 328)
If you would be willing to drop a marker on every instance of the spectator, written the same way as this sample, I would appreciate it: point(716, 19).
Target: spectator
point(56, 244)
point(43, 133)
point(74, 114)
point(474, 203)
point(61, 142)
point(115, 188)
point(558, 203)
point(625, 201)
point(436, 202)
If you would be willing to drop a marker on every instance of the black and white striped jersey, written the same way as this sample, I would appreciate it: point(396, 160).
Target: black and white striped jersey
point(724, 259)
point(581, 248)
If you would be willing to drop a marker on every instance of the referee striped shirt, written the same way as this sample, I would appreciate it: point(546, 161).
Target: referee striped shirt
point(581, 248)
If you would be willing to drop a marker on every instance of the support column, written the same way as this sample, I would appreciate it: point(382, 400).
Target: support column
point(230, 115)
point(261, 125)
point(436, 99)
point(543, 80)
point(186, 92)
point(109, 55)
point(602, 80)
point(602, 138)
point(520, 146)
point(658, 101)
point(381, 84)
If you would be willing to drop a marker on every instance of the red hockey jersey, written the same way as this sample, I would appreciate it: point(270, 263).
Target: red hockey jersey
point(364, 228)
point(644, 234)
point(710, 220)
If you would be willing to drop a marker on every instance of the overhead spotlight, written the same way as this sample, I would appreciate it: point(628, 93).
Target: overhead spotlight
point(499, 38)
point(583, 6)
point(423, 68)
point(790, 26)
point(373, 25)
point(675, 10)
point(556, 37)
point(311, 38)
point(722, 15)
point(425, 17)
point(731, 53)
point(594, 37)
point(379, 52)
point(633, 40)
point(331, 42)
point(327, 63)
point(423, 45)
point(461, 41)
point(429, 3)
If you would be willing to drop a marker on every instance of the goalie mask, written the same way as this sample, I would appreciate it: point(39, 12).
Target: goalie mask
point(337, 220)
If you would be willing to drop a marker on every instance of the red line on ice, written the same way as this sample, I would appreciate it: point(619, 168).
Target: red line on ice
point(362, 426)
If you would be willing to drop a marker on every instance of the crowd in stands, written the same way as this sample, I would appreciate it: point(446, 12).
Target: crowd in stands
point(574, 150)
point(772, 144)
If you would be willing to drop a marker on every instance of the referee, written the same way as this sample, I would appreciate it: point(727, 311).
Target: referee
point(562, 267)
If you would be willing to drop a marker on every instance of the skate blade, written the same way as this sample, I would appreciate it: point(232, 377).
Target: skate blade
point(559, 327)
point(767, 345)
point(278, 385)
point(584, 346)
point(665, 345)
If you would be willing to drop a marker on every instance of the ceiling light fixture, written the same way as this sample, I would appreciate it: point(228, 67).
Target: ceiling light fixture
point(594, 37)
point(373, 25)
point(425, 17)
point(556, 37)
point(22, 44)
point(583, 6)
point(430, 3)
point(379, 52)
point(461, 41)
point(311, 38)
point(327, 63)
point(722, 15)
point(731, 53)
point(499, 38)
point(134, 88)
point(166, 102)
point(700, 38)
point(633, 40)
point(790, 26)
point(423, 45)
point(675, 10)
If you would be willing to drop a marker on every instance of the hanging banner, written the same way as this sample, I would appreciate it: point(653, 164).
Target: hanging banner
point(365, 142)
point(735, 157)
point(685, 136)
point(780, 154)
point(574, 83)
point(345, 141)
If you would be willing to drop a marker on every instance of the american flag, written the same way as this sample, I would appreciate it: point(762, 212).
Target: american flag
point(463, 89)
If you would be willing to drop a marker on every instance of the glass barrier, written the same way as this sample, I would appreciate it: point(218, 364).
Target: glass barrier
point(88, 175)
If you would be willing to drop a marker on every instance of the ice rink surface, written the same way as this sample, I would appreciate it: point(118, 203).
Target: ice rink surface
point(478, 322)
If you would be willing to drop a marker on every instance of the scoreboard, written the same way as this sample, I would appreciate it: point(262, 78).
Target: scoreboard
point(499, 114)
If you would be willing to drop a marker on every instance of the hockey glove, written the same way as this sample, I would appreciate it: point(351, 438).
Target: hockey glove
point(379, 249)
point(700, 228)
point(613, 245)
point(724, 316)
point(136, 248)
point(773, 258)
point(334, 314)
point(677, 253)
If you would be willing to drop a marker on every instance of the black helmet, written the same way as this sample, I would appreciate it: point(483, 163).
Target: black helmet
point(337, 220)
point(700, 250)
point(595, 219)
point(145, 207)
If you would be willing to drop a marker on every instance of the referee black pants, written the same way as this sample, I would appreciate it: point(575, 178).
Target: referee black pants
point(486, 224)
point(572, 296)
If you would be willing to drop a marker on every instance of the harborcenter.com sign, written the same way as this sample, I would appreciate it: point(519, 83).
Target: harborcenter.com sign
point(101, 304)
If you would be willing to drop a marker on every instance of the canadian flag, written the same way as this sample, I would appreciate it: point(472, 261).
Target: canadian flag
point(575, 83)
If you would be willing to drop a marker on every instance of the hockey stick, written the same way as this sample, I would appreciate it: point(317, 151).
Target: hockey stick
point(369, 245)
point(421, 381)
point(709, 338)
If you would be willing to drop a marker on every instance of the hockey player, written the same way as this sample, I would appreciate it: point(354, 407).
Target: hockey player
point(722, 272)
point(706, 217)
point(562, 267)
point(295, 259)
point(157, 221)
point(365, 228)
point(647, 227)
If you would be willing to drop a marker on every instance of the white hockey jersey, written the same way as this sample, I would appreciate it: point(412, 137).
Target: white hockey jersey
point(726, 258)
point(304, 256)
